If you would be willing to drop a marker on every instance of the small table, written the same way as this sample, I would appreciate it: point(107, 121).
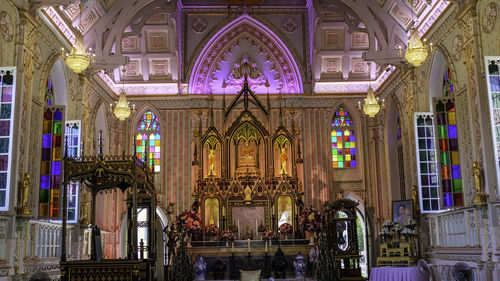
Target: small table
point(398, 274)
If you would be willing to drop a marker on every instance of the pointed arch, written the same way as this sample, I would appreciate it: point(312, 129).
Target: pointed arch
point(394, 149)
point(284, 66)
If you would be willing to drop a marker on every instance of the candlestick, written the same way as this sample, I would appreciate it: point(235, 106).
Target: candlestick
point(223, 211)
point(232, 246)
point(248, 241)
point(266, 246)
point(256, 229)
point(239, 230)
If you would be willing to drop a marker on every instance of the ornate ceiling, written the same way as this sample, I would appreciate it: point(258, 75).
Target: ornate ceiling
point(191, 47)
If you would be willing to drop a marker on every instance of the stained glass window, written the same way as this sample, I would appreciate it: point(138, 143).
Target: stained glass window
point(493, 81)
point(447, 136)
point(343, 140)
point(72, 132)
point(148, 133)
point(427, 165)
point(447, 83)
point(52, 154)
point(7, 92)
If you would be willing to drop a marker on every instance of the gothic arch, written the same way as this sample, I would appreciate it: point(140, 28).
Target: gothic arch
point(140, 111)
point(274, 60)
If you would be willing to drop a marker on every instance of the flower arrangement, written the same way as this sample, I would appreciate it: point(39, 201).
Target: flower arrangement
point(285, 228)
point(211, 230)
point(270, 235)
point(227, 235)
point(410, 223)
point(189, 222)
point(388, 224)
point(310, 219)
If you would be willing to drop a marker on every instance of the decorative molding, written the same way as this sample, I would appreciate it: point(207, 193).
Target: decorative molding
point(400, 16)
point(6, 26)
point(489, 19)
point(199, 24)
point(289, 24)
point(458, 44)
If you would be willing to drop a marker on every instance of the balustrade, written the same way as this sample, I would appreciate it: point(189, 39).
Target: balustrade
point(456, 228)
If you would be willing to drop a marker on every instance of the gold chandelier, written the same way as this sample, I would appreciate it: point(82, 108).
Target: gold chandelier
point(122, 110)
point(78, 59)
point(371, 106)
point(417, 51)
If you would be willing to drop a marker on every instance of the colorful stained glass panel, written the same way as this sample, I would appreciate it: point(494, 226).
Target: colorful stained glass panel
point(343, 140)
point(449, 154)
point(50, 172)
point(149, 135)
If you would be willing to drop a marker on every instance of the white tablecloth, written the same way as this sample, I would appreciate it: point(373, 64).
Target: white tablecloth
point(398, 274)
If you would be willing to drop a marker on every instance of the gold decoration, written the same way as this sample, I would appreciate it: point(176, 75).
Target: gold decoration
point(248, 195)
point(24, 208)
point(414, 197)
point(479, 198)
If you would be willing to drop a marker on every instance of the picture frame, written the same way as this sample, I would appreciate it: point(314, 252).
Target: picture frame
point(402, 210)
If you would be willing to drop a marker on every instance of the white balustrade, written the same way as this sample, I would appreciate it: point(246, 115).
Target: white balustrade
point(455, 228)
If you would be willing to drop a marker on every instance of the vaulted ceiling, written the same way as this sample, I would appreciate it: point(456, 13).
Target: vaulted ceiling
point(160, 47)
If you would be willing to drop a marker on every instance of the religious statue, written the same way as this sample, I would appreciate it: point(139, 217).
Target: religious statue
point(479, 198)
point(247, 165)
point(170, 212)
point(24, 208)
point(211, 163)
point(248, 195)
point(171, 242)
point(283, 158)
point(85, 209)
point(414, 198)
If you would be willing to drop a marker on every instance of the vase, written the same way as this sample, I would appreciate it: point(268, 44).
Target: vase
point(299, 266)
point(311, 238)
point(227, 243)
point(270, 244)
point(188, 240)
point(200, 268)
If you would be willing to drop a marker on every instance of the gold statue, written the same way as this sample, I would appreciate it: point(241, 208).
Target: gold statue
point(24, 208)
point(479, 198)
point(283, 158)
point(414, 197)
point(248, 195)
point(247, 165)
point(211, 163)
point(85, 209)
point(211, 220)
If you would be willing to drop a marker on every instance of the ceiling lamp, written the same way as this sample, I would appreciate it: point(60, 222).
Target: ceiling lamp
point(371, 106)
point(78, 59)
point(416, 52)
point(122, 110)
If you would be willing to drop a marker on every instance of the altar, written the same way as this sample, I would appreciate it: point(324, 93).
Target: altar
point(247, 175)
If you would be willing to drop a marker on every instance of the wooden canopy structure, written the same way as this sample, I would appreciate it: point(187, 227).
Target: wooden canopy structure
point(101, 173)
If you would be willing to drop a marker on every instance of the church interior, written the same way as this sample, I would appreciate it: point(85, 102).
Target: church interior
point(249, 140)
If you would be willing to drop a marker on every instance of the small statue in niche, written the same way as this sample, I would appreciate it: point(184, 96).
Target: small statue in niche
point(479, 198)
point(211, 163)
point(85, 209)
point(248, 195)
point(24, 208)
point(283, 158)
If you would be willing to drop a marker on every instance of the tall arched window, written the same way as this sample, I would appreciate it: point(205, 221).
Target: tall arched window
point(343, 140)
point(148, 129)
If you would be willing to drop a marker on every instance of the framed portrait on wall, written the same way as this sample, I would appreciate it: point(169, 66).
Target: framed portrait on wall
point(402, 210)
